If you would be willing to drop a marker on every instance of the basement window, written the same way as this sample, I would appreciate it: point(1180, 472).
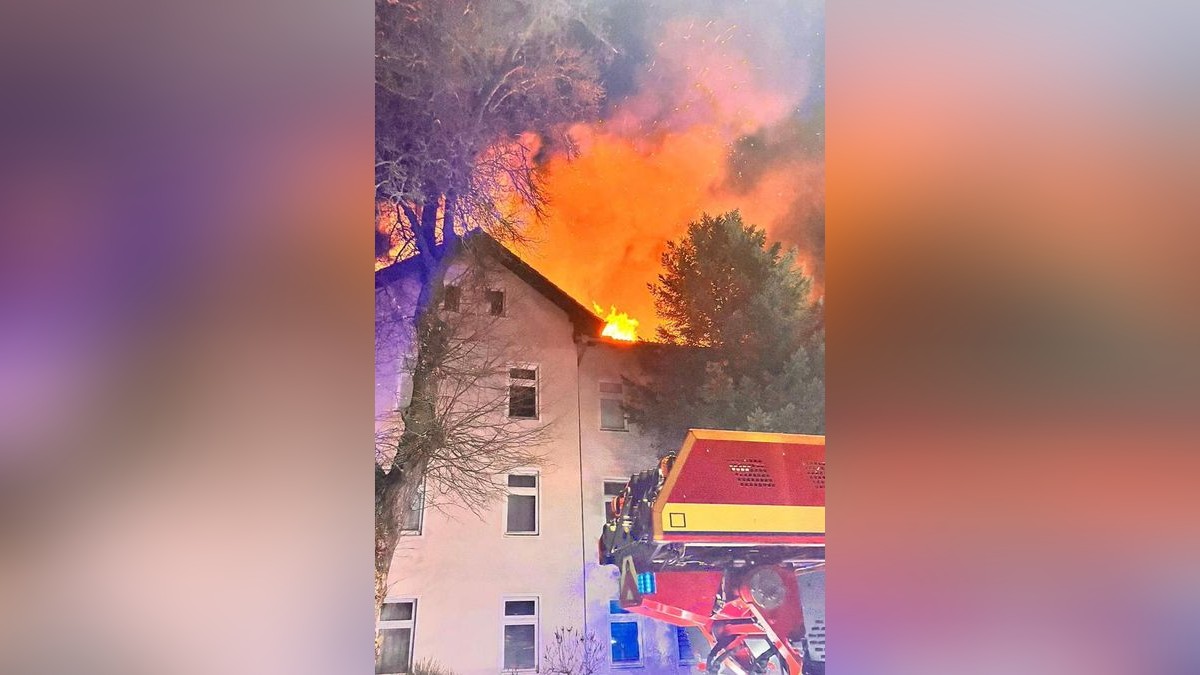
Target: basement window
point(687, 653)
point(625, 639)
point(520, 634)
point(397, 619)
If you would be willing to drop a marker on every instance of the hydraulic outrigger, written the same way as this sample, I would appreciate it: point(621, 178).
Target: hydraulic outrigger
point(714, 539)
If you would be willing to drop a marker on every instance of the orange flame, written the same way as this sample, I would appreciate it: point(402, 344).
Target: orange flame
point(618, 326)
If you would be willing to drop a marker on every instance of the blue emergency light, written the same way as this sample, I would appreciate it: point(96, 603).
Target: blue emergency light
point(645, 583)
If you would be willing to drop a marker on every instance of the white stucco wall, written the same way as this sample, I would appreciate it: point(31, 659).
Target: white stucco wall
point(614, 455)
point(462, 566)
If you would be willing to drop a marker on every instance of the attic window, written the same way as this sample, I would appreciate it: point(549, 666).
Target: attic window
point(495, 300)
point(451, 298)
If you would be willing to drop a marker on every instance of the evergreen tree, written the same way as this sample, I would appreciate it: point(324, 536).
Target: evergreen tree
point(747, 345)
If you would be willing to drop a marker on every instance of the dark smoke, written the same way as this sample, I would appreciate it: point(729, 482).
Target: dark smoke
point(784, 42)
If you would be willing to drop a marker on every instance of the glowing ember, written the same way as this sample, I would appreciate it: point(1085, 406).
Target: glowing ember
point(617, 326)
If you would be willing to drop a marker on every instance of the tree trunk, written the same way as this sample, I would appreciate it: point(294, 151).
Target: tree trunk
point(396, 490)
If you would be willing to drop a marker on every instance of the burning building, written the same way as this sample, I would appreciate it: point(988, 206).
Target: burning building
point(485, 594)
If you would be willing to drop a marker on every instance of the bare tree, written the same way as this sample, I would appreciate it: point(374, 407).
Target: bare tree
point(465, 94)
point(428, 666)
point(476, 437)
point(574, 652)
point(453, 432)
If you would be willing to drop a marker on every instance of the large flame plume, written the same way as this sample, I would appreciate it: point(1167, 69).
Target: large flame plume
point(617, 325)
point(725, 111)
point(712, 126)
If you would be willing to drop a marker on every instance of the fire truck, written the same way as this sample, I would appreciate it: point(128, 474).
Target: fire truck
point(726, 538)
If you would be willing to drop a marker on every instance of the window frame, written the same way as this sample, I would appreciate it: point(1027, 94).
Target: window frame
point(487, 296)
point(606, 498)
point(537, 389)
point(458, 294)
point(690, 659)
point(534, 492)
point(609, 396)
point(420, 514)
point(627, 617)
point(393, 624)
point(535, 620)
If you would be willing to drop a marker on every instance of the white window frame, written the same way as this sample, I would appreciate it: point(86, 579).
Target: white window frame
point(410, 624)
point(609, 396)
point(641, 640)
point(537, 389)
point(420, 514)
point(606, 498)
point(534, 492)
point(487, 301)
point(535, 621)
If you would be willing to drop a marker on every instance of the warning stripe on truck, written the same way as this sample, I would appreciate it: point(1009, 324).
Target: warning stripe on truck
point(760, 519)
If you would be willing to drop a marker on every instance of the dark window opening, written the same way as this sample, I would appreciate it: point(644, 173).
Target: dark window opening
point(452, 298)
point(612, 415)
point(396, 620)
point(495, 301)
point(522, 514)
point(522, 401)
point(519, 647)
point(522, 393)
point(413, 516)
point(519, 608)
point(522, 480)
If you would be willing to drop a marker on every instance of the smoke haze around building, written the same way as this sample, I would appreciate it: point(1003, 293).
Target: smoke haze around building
point(710, 106)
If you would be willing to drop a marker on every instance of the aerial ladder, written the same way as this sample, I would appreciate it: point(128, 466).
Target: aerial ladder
point(720, 538)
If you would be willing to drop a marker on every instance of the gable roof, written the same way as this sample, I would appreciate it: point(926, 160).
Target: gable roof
point(582, 319)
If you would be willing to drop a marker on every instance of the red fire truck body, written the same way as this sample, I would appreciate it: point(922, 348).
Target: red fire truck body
point(714, 539)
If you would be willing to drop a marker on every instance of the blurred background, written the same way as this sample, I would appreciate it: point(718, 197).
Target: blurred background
point(1012, 363)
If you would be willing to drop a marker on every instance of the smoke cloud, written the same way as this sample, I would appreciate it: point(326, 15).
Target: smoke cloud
point(712, 106)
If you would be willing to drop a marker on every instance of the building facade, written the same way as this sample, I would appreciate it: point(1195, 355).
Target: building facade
point(485, 593)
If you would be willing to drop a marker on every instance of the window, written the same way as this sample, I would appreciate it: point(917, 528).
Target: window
point(523, 393)
point(520, 634)
point(495, 301)
point(522, 511)
point(414, 515)
point(452, 298)
point(612, 400)
point(624, 636)
point(397, 619)
point(687, 655)
point(612, 488)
